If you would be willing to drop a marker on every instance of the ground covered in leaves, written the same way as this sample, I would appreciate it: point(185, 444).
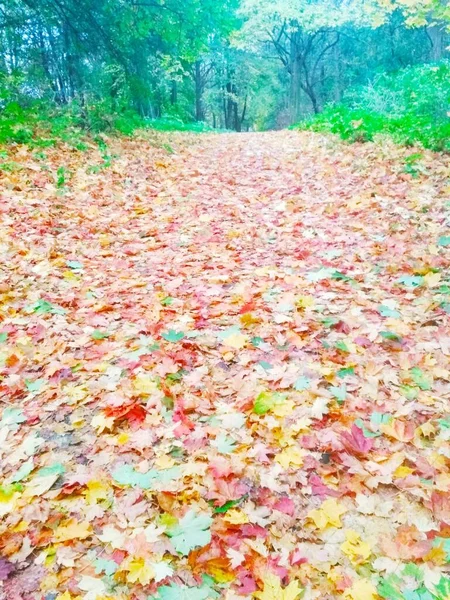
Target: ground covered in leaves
point(225, 370)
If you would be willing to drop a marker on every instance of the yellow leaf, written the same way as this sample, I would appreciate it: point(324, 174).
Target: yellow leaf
point(328, 514)
point(284, 409)
point(356, 550)
point(273, 590)
point(122, 439)
point(290, 456)
point(164, 462)
point(22, 526)
point(437, 556)
point(236, 340)
point(402, 471)
point(362, 589)
point(76, 393)
point(144, 384)
point(235, 517)
point(96, 490)
point(100, 423)
point(67, 596)
point(73, 531)
point(304, 301)
point(432, 279)
point(139, 572)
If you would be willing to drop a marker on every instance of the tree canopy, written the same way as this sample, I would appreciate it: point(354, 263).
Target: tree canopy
point(234, 64)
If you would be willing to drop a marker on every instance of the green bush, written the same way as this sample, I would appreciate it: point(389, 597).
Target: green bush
point(41, 124)
point(412, 106)
point(174, 124)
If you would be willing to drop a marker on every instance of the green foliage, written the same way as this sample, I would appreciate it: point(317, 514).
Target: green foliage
point(173, 124)
point(192, 531)
point(42, 125)
point(411, 106)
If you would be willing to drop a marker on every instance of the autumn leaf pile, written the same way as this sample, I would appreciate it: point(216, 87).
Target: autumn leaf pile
point(225, 371)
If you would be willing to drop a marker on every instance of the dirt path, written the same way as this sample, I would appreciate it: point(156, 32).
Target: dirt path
point(225, 371)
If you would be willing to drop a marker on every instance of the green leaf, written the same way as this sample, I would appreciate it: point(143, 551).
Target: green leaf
point(265, 365)
point(340, 393)
point(173, 336)
point(443, 588)
point(341, 345)
point(74, 264)
point(43, 307)
point(409, 392)
point(341, 276)
point(36, 385)
point(391, 336)
point(366, 432)
point(302, 383)
point(3, 336)
point(191, 532)
point(377, 418)
point(420, 379)
point(256, 341)
point(265, 401)
point(12, 417)
point(389, 588)
point(444, 241)
point(126, 475)
point(56, 469)
point(224, 444)
point(329, 321)
point(23, 472)
point(103, 565)
point(345, 372)
point(385, 311)
point(167, 301)
point(184, 592)
point(412, 281)
point(227, 505)
point(226, 333)
point(99, 335)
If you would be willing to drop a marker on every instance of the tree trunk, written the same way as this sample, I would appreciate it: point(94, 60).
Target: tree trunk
point(173, 93)
point(337, 73)
point(199, 88)
point(436, 35)
point(295, 83)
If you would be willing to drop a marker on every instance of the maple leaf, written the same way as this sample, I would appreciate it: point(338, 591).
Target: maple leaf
point(139, 571)
point(6, 568)
point(290, 456)
point(356, 442)
point(184, 592)
point(173, 336)
point(73, 531)
point(363, 589)
point(357, 550)
point(191, 531)
point(266, 401)
point(328, 514)
point(127, 475)
point(93, 586)
point(444, 241)
point(273, 591)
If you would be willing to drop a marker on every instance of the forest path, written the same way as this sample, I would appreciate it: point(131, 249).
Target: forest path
point(225, 369)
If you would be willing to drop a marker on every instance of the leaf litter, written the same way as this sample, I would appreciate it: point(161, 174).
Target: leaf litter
point(225, 372)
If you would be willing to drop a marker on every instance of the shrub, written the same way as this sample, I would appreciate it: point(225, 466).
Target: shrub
point(412, 106)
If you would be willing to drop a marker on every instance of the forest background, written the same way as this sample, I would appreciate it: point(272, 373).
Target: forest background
point(354, 67)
